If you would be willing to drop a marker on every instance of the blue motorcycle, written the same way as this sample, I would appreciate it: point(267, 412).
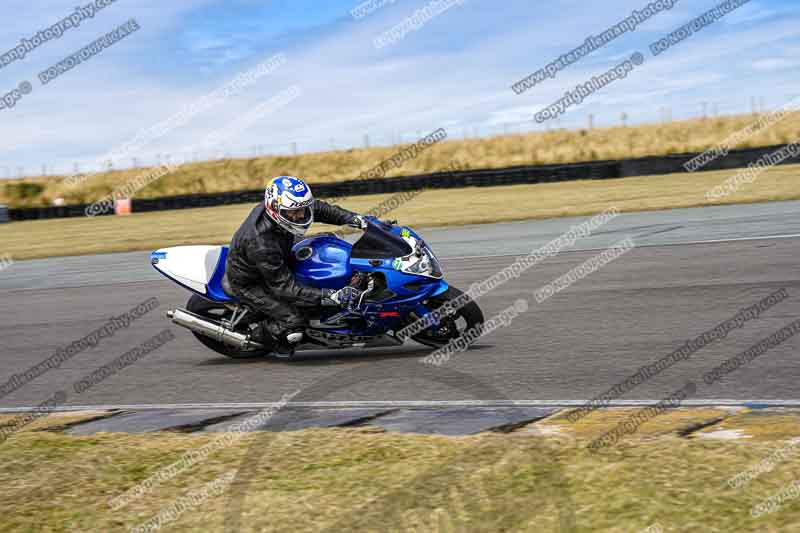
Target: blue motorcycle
point(401, 280)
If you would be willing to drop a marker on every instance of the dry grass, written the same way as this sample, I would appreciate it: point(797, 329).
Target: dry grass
point(362, 480)
point(560, 146)
point(216, 225)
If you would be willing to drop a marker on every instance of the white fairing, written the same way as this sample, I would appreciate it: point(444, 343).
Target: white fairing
point(192, 266)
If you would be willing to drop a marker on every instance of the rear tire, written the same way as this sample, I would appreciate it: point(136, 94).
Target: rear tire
point(468, 317)
point(214, 311)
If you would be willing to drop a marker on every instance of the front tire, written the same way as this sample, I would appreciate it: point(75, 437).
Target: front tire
point(466, 318)
point(213, 311)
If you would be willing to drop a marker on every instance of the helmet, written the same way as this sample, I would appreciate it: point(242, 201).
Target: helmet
point(290, 204)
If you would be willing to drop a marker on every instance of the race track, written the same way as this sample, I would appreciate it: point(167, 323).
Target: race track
point(691, 270)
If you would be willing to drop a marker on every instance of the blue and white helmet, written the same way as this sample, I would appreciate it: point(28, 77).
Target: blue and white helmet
point(290, 204)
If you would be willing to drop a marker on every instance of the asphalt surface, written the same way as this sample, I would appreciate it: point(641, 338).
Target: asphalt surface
point(583, 340)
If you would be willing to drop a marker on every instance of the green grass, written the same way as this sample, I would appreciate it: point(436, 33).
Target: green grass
point(366, 480)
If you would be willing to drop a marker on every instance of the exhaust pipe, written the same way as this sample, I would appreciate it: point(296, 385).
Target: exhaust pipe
point(211, 329)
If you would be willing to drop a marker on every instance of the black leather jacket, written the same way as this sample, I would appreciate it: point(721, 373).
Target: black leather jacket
point(260, 250)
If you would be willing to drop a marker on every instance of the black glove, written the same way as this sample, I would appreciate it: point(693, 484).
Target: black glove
point(347, 297)
point(359, 222)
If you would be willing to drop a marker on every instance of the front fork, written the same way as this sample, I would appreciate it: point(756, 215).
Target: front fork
point(423, 312)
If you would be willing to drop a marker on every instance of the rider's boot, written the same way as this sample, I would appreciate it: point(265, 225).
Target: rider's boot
point(286, 343)
point(282, 339)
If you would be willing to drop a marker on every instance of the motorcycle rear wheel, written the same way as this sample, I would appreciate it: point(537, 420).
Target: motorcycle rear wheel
point(213, 311)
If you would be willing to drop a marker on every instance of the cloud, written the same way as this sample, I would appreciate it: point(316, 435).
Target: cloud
point(455, 71)
point(774, 64)
point(751, 12)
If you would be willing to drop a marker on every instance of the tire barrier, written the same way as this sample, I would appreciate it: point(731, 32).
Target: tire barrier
point(41, 213)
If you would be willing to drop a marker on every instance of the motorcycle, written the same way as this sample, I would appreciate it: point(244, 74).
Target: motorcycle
point(401, 280)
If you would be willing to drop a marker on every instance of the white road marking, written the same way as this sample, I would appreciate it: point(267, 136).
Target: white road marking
point(686, 243)
point(391, 404)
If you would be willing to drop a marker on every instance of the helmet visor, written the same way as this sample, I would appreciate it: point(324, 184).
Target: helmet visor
point(298, 216)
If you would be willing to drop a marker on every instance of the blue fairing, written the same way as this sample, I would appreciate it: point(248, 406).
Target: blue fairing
point(322, 262)
point(214, 287)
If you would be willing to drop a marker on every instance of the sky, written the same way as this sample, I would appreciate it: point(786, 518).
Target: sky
point(453, 71)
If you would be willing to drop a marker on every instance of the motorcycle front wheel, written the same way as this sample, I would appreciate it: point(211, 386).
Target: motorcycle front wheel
point(466, 320)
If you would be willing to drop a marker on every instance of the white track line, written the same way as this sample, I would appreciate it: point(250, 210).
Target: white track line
point(390, 404)
point(687, 243)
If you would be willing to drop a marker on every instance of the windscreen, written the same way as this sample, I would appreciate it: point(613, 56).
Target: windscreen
point(380, 243)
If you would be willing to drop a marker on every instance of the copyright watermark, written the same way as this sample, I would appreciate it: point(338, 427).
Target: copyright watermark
point(10, 99)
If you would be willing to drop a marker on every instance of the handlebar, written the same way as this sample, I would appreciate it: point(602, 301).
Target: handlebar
point(376, 220)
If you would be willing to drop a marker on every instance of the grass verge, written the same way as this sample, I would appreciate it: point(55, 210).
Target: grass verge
point(216, 225)
point(364, 480)
point(552, 147)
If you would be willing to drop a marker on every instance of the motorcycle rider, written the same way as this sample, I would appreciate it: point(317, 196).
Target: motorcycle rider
point(257, 268)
